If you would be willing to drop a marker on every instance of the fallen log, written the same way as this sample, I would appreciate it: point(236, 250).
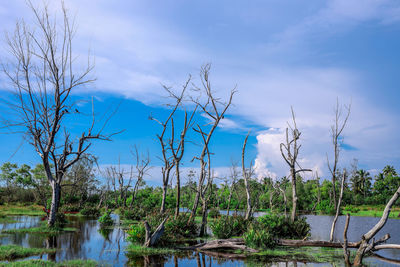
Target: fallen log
point(233, 243)
point(314, 243)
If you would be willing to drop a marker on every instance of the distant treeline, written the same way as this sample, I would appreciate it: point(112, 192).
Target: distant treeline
point(26, 184)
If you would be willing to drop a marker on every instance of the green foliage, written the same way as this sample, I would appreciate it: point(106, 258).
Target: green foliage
point(228, 226)
point(180, 228)
point(282, 227)
point(136, 233)
point(214, 213)
point(259, 238)
point(135, 214)
point(43, 263)
point(325, 207)
point(90, 211)
point(69, 208)
point(351, 209)
point(61, 221)
point(106, 220)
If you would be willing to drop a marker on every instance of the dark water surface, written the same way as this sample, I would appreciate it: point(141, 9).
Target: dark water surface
point(109, 246)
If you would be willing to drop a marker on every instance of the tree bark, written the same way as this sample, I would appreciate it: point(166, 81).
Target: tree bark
point(246, 176)
point(294, 194)
point(178, 190)
point(338, 207)
point(55, 202)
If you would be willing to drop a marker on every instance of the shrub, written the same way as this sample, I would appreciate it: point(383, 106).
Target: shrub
point(228, 226)
point(283, 227)
point(180, 227)
point(90, 211)
point(136, 233)
point(351, 209)
point(259, 239)
point(175, 229)
point(213, 213)
point(106, 220)
point(136, 214)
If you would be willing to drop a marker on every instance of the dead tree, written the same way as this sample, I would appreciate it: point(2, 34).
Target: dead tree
point(43, 75)
point(338, 205)
point(346, 252)
point(167, 156)
point(290, 152)
point(214, 110)
point(142, 166)
point(152, 238)
point(178, 151)
point(247, 173)
point(204, 189)
point(365, 245)
point(124, 179)
point(336, 132)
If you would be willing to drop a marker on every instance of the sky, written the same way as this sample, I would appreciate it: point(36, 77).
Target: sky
point(279, 54)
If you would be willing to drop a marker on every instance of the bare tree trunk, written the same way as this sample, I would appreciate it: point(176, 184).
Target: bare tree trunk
point(294, 194)
point(246, 177)
point(345, 242)
point(164, 197)
point(338, 206)
point(55, 202)
point(178, 190)
point(203, 219)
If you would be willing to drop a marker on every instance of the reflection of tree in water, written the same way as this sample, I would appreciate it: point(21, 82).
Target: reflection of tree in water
point(105, 232)
point(51, 242)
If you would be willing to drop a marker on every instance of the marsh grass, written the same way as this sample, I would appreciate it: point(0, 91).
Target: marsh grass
point(41, 230)
point(43, 263)
point(11, 252)
point(373, 211)
point(135, 250)
point(32, 210)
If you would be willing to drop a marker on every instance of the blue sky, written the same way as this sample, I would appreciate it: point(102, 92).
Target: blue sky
point(304, 54)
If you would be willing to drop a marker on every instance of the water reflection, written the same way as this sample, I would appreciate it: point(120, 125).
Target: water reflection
point(108, 245)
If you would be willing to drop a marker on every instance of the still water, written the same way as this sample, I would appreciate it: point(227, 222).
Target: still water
point(107, 247)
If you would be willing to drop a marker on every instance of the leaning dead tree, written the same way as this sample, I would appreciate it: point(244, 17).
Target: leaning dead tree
point(337, 140)
point(43, 73)
point(214, 110)
point(290, 152)
point(247, 173)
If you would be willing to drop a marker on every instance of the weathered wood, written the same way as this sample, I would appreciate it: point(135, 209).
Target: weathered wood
point(345, 242)
point(338, 206)
point(152, 240)
point(246, 176)
point(314, 243)
point(233, 243)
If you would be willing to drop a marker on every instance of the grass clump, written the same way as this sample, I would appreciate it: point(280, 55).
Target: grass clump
point(43, 263)
point(5, 219)
point(135, 250)
point(11, 252)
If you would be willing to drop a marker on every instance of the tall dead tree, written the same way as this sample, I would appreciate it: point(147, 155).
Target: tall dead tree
point(168, 158)
point(247, 173)
point(290, 153)
point(214, 110)
point(44, 75)
point(179, 149)
point(234, 174)
point(337, 140)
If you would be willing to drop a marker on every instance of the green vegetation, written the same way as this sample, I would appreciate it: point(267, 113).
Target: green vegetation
point(134, 250)
point(11, 252)
point(41, 230)
point(5, 219)
point(228, 226)
point(106, 220)
point(43, 263)
point(20, 209)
